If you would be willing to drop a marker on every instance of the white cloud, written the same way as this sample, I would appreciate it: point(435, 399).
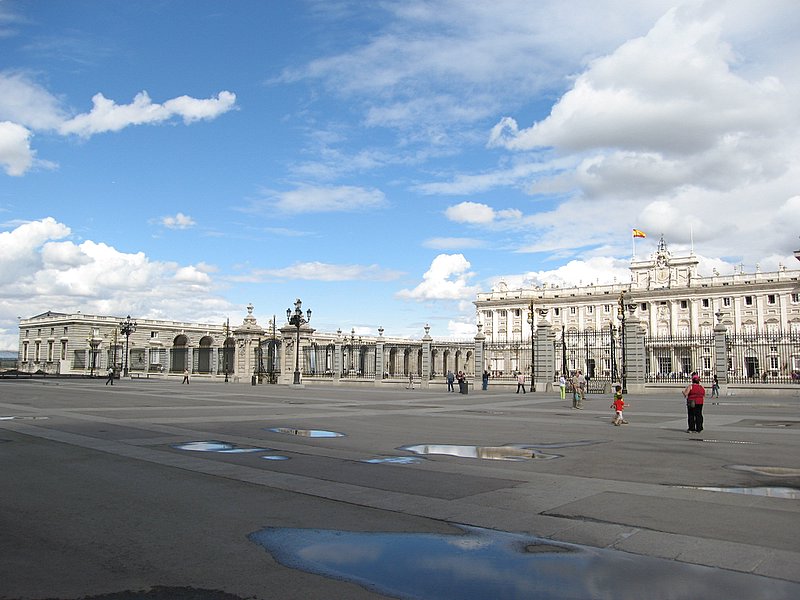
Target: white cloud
point(27, 107)
point(25, 102)
point(453, 243)
point(40, 271)
point(16, 155)
point(179, 221)
point(311, 199)
point(320, 271)
point(106, 115)
point(476, 213)
point(594, 271)
point(446, 279)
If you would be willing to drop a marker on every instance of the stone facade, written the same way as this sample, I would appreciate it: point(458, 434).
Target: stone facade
point(665, 293)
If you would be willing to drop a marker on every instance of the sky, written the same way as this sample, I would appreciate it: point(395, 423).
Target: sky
point(383, 161)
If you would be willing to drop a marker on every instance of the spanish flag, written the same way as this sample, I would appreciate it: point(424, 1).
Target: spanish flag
point(638, 233)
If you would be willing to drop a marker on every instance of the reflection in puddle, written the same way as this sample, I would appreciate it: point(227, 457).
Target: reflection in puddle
point(314, 433)
point(394, 460)
point(720, 441)
point(514, 453)
point(771, 471)
point(489, 564)
point(275, 457)
point(22, 418)
point(217, 446)
point(764, 490)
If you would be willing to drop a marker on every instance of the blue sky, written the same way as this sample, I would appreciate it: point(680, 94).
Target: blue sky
point(383, 161)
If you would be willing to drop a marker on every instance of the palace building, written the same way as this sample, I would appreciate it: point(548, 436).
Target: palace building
point(666, 293)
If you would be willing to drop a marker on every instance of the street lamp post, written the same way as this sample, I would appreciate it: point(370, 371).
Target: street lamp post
point(127, 327)
point(621, 306)
point(92, 353)
point(296, 318)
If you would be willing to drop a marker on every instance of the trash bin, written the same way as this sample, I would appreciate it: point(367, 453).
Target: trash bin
point(253, 380)
point(463, 387)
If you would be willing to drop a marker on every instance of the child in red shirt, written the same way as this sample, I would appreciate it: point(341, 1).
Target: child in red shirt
point(618, 405)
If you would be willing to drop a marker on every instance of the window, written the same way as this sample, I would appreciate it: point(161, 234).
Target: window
point(63, 349)
point(706, 302)
point(589, 310)
point(770, 298)
point(95, 332)
point(50, 351)
point(748, 301)
point(153, 335)
point(52, 331)
point(37, 349)
point(606, 308)
point(557, 311)
point(572, 310)
point(795, 298)
point(24, 351)
point(726, 302)
point(65, 330)
point(644, 306)
point(684, 304)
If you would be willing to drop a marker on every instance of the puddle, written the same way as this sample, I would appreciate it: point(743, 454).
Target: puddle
point(483, 564)
point(217, 446)
point(275, 457)
point(394, 460)
point(771, 491)
point(771, 471)
point(777, 424)
point(720, 441)
point(512, 453)
point(22, 418)
point(314, 433)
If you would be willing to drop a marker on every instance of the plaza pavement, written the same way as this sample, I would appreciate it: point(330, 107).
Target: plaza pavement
point(96, 501)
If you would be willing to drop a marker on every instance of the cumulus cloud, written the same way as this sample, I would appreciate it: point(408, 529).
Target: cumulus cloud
point(599, 270)
point(312, 199)
point(16, 155)
point(179, 221)
point(446, 279)
point(41, 270)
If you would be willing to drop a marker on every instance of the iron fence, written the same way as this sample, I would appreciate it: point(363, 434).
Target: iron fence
point(763, 358)
point(673, 358)
point(595, 353)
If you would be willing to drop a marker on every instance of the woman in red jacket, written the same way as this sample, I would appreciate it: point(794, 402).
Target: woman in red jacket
point(695, 394)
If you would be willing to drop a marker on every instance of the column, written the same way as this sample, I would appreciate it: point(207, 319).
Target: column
point(477, 379)
point(634, 354)
point(721, 357)
point(379, 368)
point(545, 363)
point(426, 358)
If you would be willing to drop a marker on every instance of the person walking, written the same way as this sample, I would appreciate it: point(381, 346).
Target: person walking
point(715, 387)
point(521, 382)
point(410, 381)
point(450, 379)
point(185, 377)
point(578, 389)
point(618, 405)
point(485, 379)
point(694, 394)
point(562, 384)
point(110, 376)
